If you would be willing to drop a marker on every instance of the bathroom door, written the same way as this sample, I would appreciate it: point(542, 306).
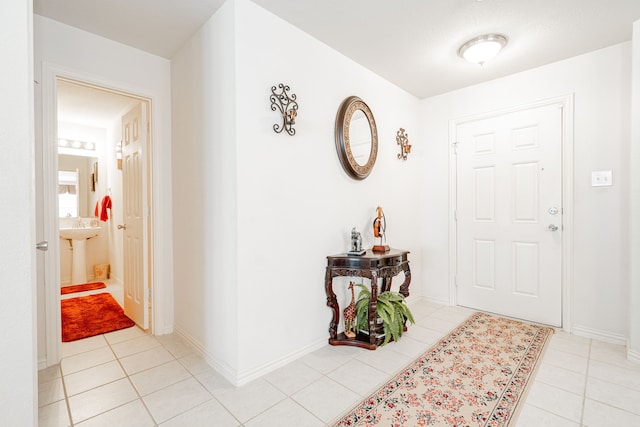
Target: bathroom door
point(509, 214)
point(135, 215)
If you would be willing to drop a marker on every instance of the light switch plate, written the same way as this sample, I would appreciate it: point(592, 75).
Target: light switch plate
point(601, 178)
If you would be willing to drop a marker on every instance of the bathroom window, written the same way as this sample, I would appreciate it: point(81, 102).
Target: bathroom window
point(68, 193)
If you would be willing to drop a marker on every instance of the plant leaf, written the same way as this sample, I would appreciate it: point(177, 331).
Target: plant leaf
point(390, 308)
point(394, 296)
point(387, 334)
point(384, 312)
point(364, 292)
point(362, 311)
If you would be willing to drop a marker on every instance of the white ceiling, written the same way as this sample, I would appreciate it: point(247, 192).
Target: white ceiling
point(90, 106)
point(156, 26)
point(412, 43)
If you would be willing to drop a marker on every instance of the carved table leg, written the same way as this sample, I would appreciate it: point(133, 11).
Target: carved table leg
point(404, 288)
point(386, 284)
point(332, 302)
point(373, 308)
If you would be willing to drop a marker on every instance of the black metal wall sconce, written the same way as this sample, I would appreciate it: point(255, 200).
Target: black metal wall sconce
point(288, 107)
point(402, 139)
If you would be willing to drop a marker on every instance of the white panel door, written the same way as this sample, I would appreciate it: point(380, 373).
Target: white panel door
point(509, 214)
point(134, 137)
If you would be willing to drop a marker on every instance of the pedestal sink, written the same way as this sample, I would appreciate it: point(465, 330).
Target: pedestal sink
point(78, 238)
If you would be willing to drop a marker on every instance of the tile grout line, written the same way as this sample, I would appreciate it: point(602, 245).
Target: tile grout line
point(586, 381)
point(117, 359)
point(602, 402)
point(135, 389)
point(101, 385)
point(354, 357)
point(290, 396)
point(208, 391)
point(542, 381)
point(66, 398)
point(64, 385)
point(175, 359)
point(557, 366)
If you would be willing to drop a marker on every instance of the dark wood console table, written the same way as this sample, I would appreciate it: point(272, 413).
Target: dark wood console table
point(372, 266)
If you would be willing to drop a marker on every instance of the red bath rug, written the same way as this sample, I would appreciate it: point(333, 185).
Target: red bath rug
point(84, 317)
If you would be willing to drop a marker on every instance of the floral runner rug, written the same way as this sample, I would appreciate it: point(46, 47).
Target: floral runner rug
point(477, 375)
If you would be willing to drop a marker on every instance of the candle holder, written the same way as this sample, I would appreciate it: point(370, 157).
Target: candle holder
point(288, 107)
point(402, 139)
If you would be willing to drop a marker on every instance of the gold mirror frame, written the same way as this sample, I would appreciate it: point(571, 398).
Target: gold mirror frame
point(343, 120)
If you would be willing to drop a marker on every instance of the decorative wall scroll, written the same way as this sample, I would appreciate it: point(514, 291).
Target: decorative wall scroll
point(287, 106)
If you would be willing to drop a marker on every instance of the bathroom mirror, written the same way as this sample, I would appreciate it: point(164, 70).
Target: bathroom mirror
point(68, 193)
point(74, 174)
point(356, 137)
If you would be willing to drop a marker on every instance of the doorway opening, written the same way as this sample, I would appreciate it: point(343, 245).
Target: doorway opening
point(86, 140)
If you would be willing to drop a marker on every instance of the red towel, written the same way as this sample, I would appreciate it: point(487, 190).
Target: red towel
point(106, 204)
point(95, 211)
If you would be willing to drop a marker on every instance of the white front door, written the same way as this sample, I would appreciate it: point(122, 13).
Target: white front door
point(509, 214)
point(135, 208)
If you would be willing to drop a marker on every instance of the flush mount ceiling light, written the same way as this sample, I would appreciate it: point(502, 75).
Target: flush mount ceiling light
point(482, 48)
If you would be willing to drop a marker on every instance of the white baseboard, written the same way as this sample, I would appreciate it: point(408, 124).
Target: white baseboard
point(42, 363)
point(599, 335)
point(633, 355)
point(66, 281)
point(239, 378)
point(226, 371)
point(259, 371)
point(432, 300)
point(165, 331)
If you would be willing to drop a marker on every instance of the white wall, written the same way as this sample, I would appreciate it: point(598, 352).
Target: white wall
point(204, 191)
point(18, 389)
point(294, 203)
point(600, 82)
point(634, 166)
point(114, 184)
point(83, 55)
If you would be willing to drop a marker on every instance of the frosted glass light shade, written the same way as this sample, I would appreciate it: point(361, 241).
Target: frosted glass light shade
point(483, 48)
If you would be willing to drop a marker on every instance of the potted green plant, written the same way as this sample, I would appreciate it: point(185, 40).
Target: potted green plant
point(391, 312)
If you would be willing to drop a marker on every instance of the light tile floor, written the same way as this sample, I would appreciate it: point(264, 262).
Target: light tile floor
point(127, 378)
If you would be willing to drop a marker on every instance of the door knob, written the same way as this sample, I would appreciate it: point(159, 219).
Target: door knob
point(42, 246)
point(122, 226)
point(552, 227)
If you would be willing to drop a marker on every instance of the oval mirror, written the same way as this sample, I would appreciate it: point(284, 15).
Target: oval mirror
point(356, 137)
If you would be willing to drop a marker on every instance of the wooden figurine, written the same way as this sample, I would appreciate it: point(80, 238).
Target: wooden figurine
point(379, 229)
point(350, 316)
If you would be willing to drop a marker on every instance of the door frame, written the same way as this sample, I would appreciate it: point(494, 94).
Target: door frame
point(50, 75)
point(567, 106)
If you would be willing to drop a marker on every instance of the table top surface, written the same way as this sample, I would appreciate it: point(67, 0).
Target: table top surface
point(371, 255)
